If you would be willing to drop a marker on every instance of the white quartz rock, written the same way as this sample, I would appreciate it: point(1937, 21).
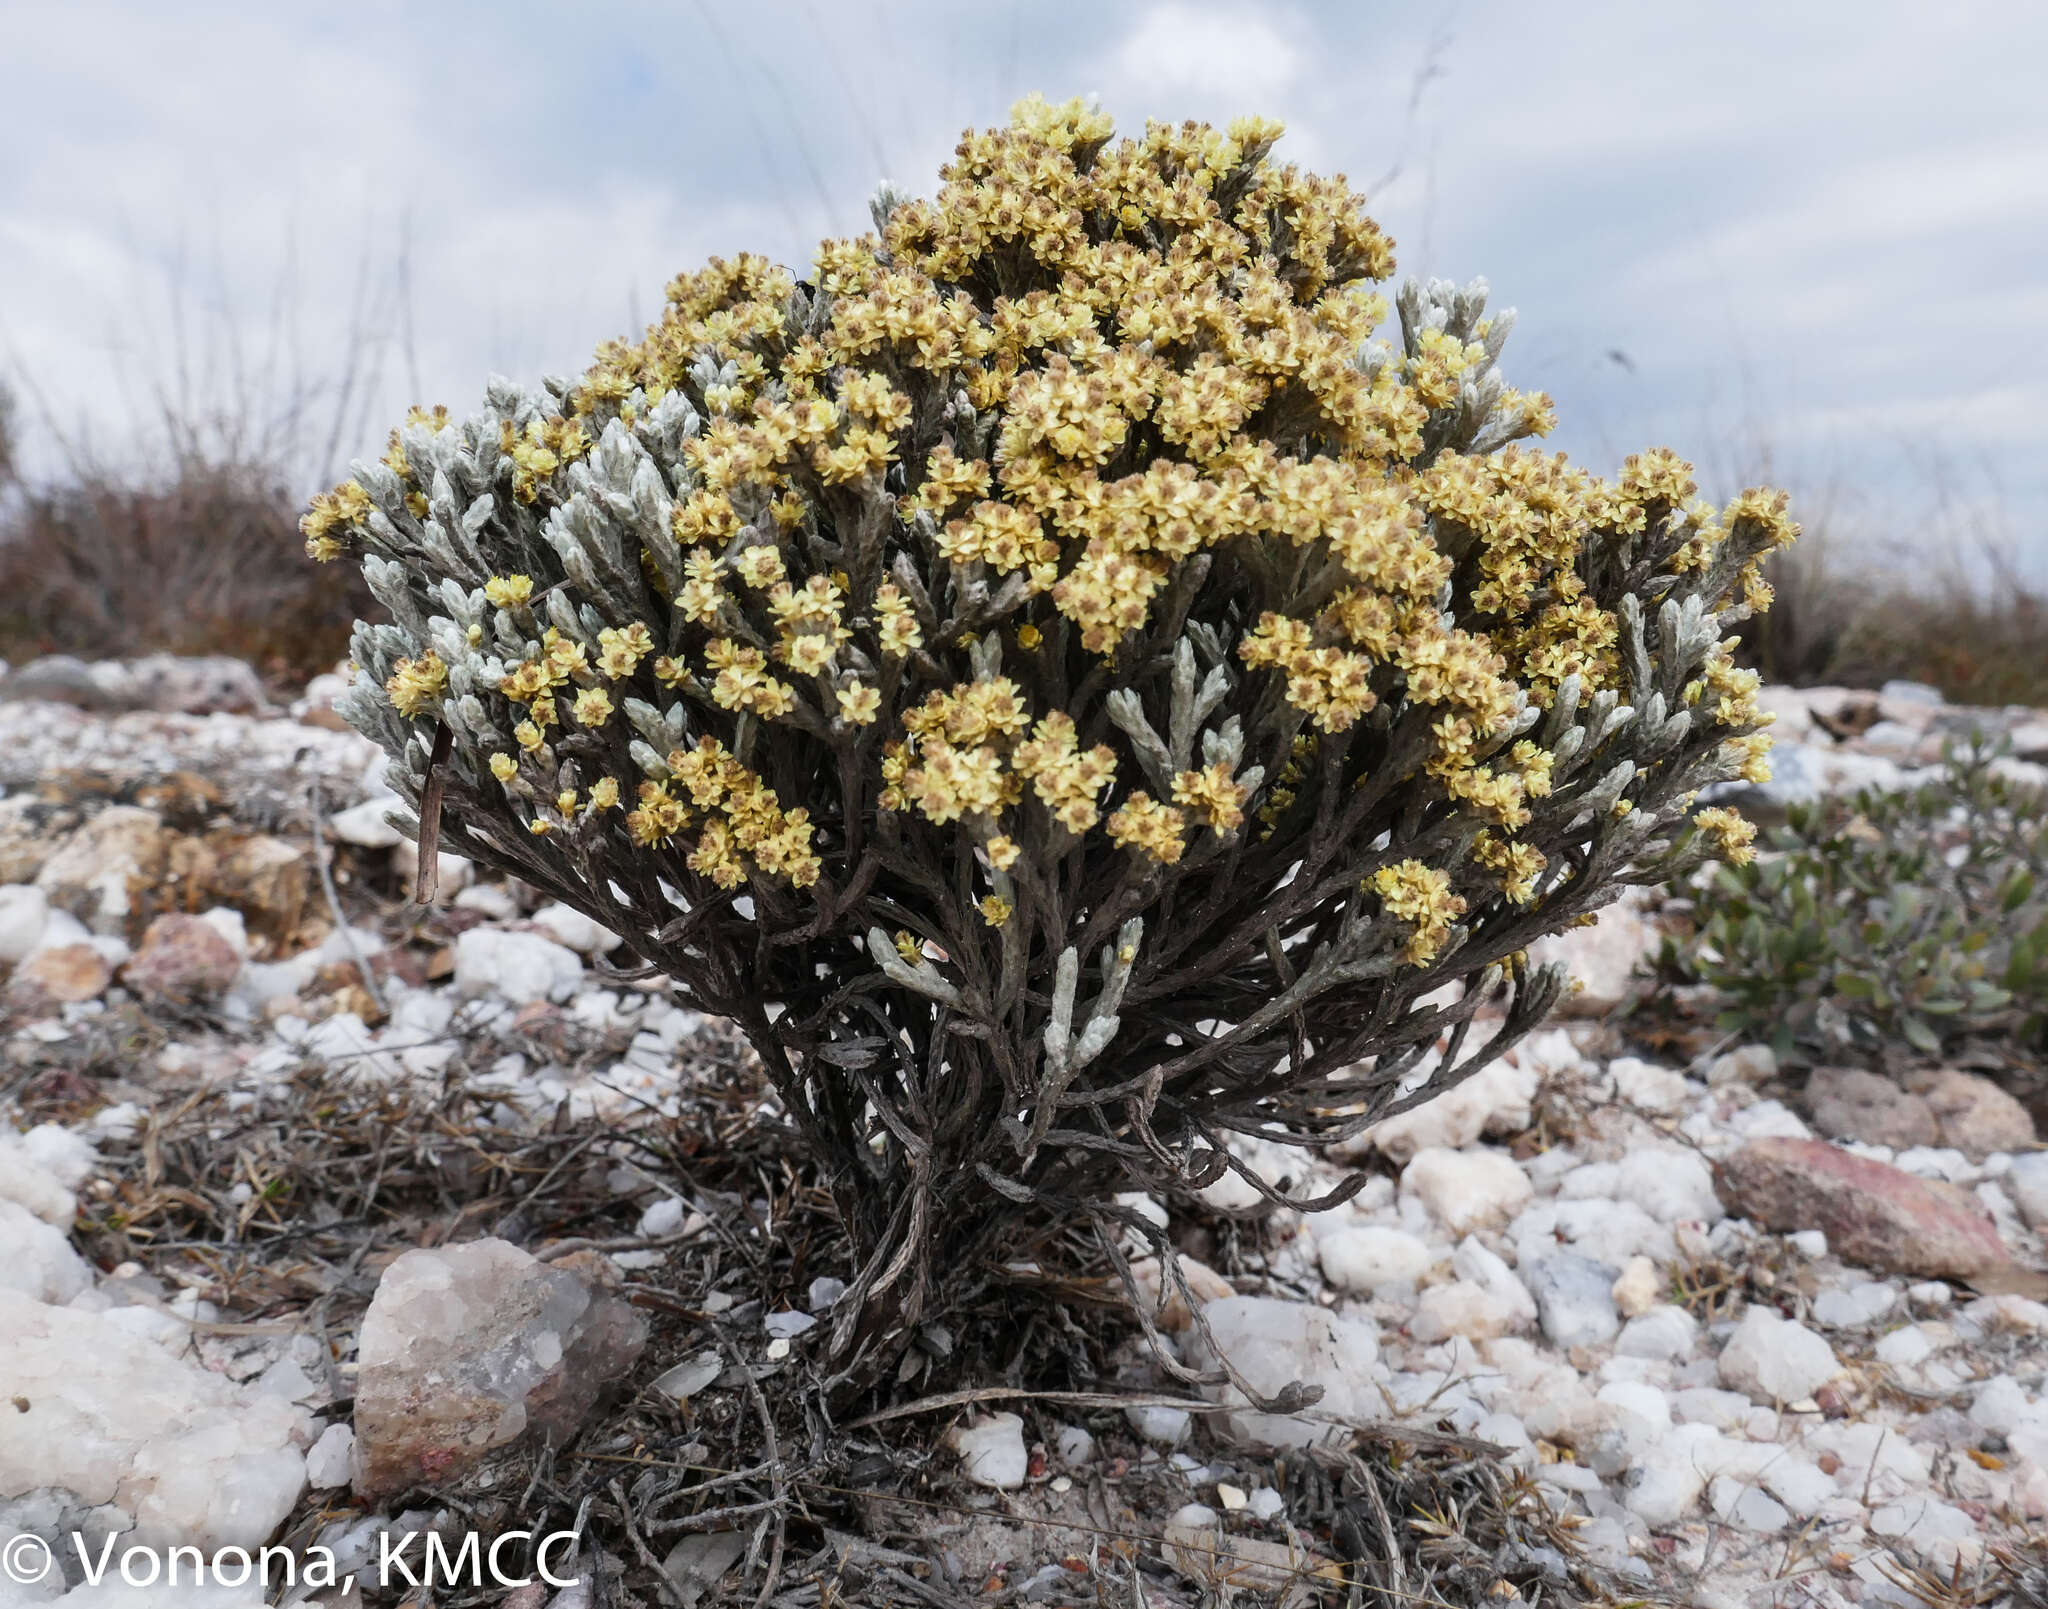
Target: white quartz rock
point(465, 1348)
point(1776, 1359)
point(36, 1260)
point(575, 930)
point(2027, 1183)
point(1363, 1259)
point(110, 1418)
point(1670, 1183)
point(1486, 1300)
point(520, 967)
point(24, 909)
point(40, 1169)
point(329, 1460)
point(1272, 1344)
point(1664, 1333)
point(992, 1451)
point(365, 825)
point(1497, 1096)
point(1467, 1190)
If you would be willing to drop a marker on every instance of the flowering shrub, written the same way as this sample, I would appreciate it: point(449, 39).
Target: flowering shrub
point(1057, 678)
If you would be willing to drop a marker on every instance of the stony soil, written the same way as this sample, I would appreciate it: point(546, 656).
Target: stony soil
point(314, 1229)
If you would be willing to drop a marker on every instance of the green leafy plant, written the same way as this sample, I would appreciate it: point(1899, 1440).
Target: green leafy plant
point(1918, 916)
point(1066, 688)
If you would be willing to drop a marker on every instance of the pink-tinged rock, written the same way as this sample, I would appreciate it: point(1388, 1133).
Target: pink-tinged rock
point(182, 958)
point(466, 1348)
point(1874, 1215)
point(60, 976)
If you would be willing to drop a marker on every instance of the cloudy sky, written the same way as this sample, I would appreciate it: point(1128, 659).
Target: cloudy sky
point(1799, 237)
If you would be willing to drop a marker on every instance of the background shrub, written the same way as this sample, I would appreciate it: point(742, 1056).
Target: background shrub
point(1919, 916)
point(1057, 679)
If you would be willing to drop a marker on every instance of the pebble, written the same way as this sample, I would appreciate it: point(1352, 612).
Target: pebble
point(1854, 1306)
point(992, 1451)
point(1776, 1359)
point(1364, 1259)
point(520, 967)
point(1574, 1299)
point(1467, 1190)
point(1662, 1333)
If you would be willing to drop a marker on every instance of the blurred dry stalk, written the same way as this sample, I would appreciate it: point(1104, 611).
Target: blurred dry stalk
point(184, 541)
point(1861, 601)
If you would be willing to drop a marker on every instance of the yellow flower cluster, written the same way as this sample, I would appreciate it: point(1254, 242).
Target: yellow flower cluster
point(1164, 347)
point(1733, 835)
point(416, 685)
point(742, 819)
point(1420, 896)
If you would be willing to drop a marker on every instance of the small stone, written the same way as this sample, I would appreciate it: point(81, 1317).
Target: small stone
point(1776, 1359)
point(1637, 1288)
point(2000, 1405)
point(692, 1375)
point(1267, 1504)
point(1467, 1190)
point(1498, 1095)
point(1940, 1532)
point(182, 958)
point(1854, 1306)
point(824, 1293)
point(1847, 1103)
point(36, 1259)
point(1741, 1503)
point(778, 1349)
point(1747, 1064)
point(520, 967)
point(1231, 1497)
point(62, 976)
point(1075, 1446)
point(1809, 1243)
point(1647, 1086)
point(662, 1218)
point(1976, 1117)
point(1485, 1301)
point(992, 1451)
point(267, 879)
point(23, 912)
point(367, 825)
point(1670, 1184)
point(329, 1459)
point(2027, 1183)
point(1664, 1334)
point(110, 872)
point(1905, 1347)
point(464, 1348)
point(1602, 958)
point(1929, 1296)
point(1160, 1426)
point(1873, 1215)
point(1362, 1260)
point(574, 929)
point(1272, 1344)
point(1575, 1299)
point(788, 1325)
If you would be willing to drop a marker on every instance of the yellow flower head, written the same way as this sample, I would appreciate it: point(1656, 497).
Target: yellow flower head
point(509, 591)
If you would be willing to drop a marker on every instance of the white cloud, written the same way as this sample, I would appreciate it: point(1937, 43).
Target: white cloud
point(1211, 51)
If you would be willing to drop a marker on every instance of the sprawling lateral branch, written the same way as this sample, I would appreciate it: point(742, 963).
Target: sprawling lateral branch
point(1055, 677)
